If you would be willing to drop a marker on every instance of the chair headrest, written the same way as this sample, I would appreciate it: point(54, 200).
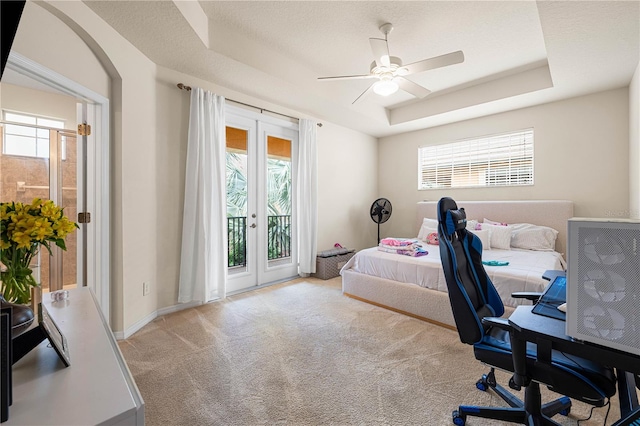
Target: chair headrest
point(456, 220)
point(450, 216)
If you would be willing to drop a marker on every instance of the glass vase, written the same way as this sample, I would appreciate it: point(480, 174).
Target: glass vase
point(19, 275)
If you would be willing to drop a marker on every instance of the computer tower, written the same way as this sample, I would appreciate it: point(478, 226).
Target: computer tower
point(603, 282)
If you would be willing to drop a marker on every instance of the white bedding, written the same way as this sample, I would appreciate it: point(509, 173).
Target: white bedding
point(524, 272)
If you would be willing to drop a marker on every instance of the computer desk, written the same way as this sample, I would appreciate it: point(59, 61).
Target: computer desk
point(549, 333)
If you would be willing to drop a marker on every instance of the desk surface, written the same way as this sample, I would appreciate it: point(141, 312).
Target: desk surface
point(534, 327)
point(96, 388)
point(550, 333)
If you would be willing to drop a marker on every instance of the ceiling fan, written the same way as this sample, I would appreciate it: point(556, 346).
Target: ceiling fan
point(390, 72)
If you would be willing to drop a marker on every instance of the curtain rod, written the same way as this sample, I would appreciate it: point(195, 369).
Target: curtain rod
point(188, 89)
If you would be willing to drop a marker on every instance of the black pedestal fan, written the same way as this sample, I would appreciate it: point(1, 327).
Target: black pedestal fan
point(380, 212)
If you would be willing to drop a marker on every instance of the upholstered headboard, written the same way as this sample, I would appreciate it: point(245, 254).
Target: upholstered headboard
point(551, 213)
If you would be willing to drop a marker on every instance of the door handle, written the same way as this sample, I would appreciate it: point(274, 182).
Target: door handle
point(253, 225)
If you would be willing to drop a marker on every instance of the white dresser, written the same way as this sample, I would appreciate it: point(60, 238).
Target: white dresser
point(96, 389)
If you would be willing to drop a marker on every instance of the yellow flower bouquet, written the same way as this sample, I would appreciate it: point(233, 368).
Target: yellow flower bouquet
point(23, 229)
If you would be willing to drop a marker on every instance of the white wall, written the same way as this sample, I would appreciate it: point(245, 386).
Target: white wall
point(581, 154)
point(37, 102)
point(58, 47)
point(634, 145)
point(347, 185)
point(172, 118)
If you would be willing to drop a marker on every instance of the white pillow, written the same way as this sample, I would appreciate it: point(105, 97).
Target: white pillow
point(431, 223)
point(427, 231)
point(533, 237)
point(428, 226)
point(499, 236)
point(493, 222)
point(471, 225)
point(485, 238)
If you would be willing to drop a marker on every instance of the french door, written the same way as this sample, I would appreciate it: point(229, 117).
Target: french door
point(261, 170)
point(46, 163)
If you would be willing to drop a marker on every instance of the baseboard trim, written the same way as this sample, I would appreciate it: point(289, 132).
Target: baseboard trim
point(136, 326)
point(178, 307)
point(121, 335)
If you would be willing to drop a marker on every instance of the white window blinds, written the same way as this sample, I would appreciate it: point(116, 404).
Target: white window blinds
point(496, 160)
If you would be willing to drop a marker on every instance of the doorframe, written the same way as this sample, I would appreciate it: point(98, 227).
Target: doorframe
point(98, 176)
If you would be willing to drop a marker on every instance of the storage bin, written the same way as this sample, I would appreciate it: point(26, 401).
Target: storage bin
point(329, 267)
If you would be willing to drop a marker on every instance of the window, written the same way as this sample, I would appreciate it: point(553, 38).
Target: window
point(29, 140)
point(496, 160)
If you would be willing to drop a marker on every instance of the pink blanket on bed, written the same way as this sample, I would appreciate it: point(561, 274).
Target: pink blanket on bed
point(402, 246)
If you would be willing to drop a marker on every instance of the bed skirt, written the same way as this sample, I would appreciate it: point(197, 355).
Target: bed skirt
point(409, 299)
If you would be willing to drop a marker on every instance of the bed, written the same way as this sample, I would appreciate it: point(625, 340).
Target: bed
point(415, 286)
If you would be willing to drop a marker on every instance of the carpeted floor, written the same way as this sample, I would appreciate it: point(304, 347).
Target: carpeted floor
point(301, 353)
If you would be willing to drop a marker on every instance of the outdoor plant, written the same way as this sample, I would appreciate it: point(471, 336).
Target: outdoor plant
point(278, 207)
point(23, 229)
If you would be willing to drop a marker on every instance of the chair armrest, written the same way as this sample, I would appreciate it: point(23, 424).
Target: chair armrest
point(519, 355)
point(501, 323)
point(518, 349)
point(529, 295)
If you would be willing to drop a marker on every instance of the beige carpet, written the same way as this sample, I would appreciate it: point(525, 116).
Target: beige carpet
point(301, 353)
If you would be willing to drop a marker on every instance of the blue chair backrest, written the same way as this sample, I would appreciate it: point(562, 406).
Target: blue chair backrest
point(471, 292)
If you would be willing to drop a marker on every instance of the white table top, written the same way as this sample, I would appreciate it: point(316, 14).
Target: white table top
point(96, 388)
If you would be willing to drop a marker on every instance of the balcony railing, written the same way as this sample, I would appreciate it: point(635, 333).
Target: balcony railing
point(237, 241)
point(278, 238)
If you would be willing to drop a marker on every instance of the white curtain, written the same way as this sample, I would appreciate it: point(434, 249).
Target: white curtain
point(203, 263)
point(307, 197)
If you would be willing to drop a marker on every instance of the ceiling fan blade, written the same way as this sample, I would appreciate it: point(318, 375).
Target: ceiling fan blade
point(380, 50)
point(363, 93)
point(435, 62)
point(347, 77)
point(411, 87)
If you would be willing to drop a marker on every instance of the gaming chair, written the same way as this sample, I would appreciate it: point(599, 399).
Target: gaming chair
point(476, 307)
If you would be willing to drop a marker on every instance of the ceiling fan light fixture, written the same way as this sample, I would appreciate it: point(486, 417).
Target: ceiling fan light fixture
point(385, 87)
point(390, 71)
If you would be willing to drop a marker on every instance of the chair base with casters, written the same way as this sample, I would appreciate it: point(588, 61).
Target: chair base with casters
point(529, 411)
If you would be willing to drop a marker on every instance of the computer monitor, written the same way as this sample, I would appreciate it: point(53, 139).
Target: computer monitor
point(603, 282)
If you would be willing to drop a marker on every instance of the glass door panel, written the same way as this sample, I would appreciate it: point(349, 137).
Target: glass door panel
point(278, 200)
point(237, 187)
point(68, 196)
point(38, 162)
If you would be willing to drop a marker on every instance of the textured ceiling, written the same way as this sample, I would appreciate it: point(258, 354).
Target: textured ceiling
point(517, 53)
